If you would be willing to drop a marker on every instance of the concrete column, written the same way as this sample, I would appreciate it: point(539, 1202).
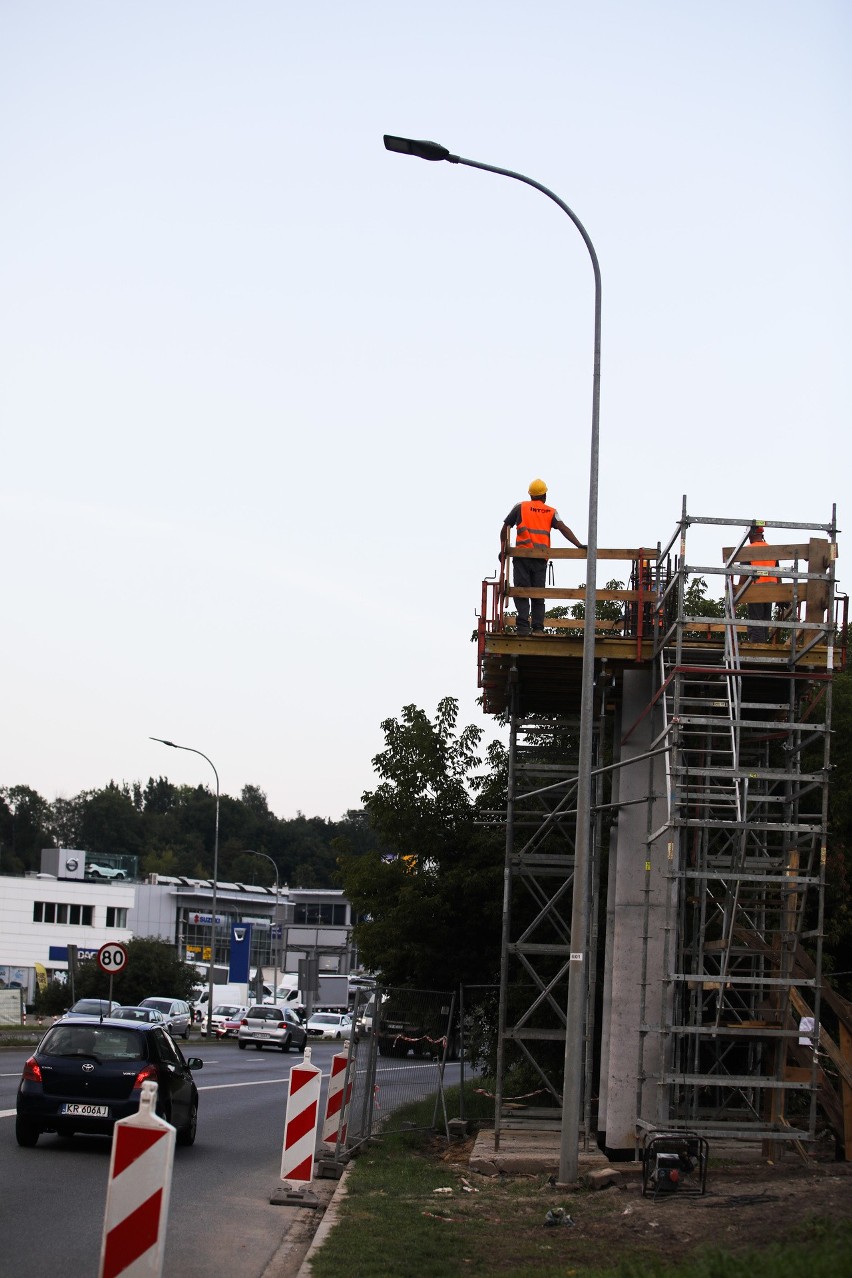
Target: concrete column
point(622, 1101)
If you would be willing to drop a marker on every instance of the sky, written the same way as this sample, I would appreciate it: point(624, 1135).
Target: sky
point(267, 391)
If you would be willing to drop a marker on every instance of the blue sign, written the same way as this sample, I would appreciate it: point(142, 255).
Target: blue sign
point(59, 953)
point(239, 963)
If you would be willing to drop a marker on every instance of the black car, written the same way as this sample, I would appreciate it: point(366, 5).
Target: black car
point(92, 1007)
point(85, 1074)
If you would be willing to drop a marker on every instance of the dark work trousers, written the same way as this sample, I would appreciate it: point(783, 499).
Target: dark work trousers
point(759, 612)
point(529, 573)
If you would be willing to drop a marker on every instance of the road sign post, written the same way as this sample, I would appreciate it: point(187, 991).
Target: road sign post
point(112, 958)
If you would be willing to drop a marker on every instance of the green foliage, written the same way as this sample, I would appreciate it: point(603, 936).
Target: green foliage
point(153, 967)
point(605, 610)
point(429, 896)
point(170, 830)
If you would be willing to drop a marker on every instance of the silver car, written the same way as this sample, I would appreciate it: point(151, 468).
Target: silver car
point(271, 1027)
point(176, 1014)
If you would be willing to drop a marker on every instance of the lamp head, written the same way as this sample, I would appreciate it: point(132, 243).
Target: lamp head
point(413, 146)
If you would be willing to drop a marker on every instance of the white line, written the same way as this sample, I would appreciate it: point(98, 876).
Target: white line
point(7, 1113)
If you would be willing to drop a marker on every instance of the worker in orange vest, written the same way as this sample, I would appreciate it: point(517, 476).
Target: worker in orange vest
point(758, 611)
point(533, 520)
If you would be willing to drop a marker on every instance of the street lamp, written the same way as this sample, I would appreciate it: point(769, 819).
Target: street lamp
point(579, 959)
point(210, 970)
point(268, 858)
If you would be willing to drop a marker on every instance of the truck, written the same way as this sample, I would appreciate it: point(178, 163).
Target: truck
point(240, 993)
point(333, 994)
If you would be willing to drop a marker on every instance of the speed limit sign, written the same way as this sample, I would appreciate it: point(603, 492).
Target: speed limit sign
point(112, 957)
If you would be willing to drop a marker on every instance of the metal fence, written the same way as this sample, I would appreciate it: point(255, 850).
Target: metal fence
point(406, 1046)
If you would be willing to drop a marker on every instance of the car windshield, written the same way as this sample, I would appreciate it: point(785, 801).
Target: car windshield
point(161, 1004)
point(91, 1006)
point(103, 1042)
point(225, 1010)
point(135, 1014)
point(324, 1019)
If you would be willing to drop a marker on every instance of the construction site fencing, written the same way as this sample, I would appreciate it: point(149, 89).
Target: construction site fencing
point(403, 1043)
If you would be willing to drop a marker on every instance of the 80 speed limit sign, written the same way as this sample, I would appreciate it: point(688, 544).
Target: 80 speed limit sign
point(112, 957)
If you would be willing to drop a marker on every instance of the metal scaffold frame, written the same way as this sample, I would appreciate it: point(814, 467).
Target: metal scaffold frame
point(741, 849)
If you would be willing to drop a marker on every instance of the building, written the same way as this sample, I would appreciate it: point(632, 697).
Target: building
point(42, 914)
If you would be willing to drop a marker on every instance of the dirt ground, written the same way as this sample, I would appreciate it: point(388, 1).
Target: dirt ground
point(749, 1202)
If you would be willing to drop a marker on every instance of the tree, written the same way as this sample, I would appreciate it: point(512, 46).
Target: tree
point(430, 896)
point(153, 967)
point(25, 828)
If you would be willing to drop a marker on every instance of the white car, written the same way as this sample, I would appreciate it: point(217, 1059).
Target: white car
point(104, 872)
point(329, 1025)
point(224, 1013)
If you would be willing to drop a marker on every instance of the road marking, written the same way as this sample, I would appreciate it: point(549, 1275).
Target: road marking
point(7, 1113)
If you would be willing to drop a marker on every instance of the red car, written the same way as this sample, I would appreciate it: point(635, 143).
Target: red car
point(228, 1026)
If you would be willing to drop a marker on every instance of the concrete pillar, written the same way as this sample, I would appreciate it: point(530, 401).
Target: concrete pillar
point(622, 1101)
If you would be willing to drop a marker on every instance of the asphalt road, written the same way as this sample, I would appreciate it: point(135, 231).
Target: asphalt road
point(220, 1217)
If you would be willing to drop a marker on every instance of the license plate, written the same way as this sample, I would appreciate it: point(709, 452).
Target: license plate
point(86, 1111)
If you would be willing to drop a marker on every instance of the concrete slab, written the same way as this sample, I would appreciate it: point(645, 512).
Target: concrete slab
point(526, 1153)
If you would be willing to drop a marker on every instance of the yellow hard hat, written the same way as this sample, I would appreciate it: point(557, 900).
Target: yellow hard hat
point(537, 488)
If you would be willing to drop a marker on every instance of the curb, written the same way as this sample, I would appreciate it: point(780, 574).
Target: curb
point(329, 1220)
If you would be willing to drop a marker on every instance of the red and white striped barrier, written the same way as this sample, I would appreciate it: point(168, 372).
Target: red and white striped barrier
point(300, 1126)
point(337, 1104)
point(140, 1181)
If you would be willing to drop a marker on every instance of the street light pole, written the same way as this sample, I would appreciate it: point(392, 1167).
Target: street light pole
point(210, 970)
point(578, 978)
point(268, 858)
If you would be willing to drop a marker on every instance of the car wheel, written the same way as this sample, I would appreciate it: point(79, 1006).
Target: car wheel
point(258, 1047)
point(186, 1135)
point(26, 1132)
point(241, 1045)
point(285, 1043)
point(186, 1034)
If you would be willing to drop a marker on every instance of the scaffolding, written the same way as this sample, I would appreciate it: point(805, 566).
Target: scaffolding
point(743, 715)
point(711, 763)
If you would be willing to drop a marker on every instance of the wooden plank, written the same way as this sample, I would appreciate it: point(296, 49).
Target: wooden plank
point(571, 552)
point(555, 592)
point(768, 592)
point(846, 1091)
point(761, 550)
point(817, 592)
point(842, 1063)
point(568, 623)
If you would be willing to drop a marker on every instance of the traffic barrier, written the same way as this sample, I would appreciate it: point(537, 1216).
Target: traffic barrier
point(337, 1104)
point(302, 1120)
point(140, 1181)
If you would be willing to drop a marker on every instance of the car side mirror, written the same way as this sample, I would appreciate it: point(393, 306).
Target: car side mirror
point(195, 1062)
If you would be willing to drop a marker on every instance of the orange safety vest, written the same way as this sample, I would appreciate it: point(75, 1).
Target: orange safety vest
point(764, 563)
point(534, 528)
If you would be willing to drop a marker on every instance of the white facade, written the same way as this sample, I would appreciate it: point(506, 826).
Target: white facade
point(41, 917)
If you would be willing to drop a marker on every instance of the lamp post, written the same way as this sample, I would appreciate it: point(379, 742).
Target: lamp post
point(210, 970)
point(268, 858)
point(579, 959)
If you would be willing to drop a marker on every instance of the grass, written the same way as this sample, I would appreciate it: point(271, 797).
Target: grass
point(394, 1220)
